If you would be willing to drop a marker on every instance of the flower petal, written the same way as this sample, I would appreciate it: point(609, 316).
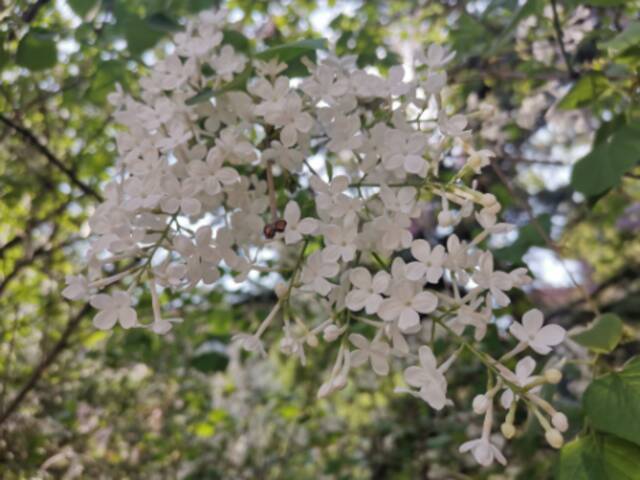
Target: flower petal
point(425, 302)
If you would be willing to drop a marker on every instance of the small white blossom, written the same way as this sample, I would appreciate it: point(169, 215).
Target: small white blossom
point(376, 352)
point(532, 333)
point(113, 308)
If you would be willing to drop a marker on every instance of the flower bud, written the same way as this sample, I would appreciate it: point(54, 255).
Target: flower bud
point(553, 376)
point(339, 382)
point(508, 430)
point(446, 218)
point(559, 420)
point(281, 290)
point(325, 389)
point(488, 200)
point(554, 438)
point(312, 340)
point(480, 404)
point(331, 333)
point(287, 345)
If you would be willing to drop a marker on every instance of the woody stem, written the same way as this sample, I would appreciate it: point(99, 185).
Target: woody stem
point(272, 192)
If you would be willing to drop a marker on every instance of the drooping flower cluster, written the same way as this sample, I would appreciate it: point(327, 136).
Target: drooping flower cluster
point(327, 174)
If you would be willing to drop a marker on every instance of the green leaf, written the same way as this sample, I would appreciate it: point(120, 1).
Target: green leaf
point(237, 40)
point(140, 35)
point(83, 8)
point(292, 54)
point(585, 91)
point(599, 457)
point(603, 335)
point(37, 50)
point(163, 23)
point(628, 38)
point(612, 402)
point(608, 161)
point(238, 83)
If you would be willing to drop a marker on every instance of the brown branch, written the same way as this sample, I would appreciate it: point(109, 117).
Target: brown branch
point(45, 363)
point(543, 234)
point(53, 160)
point(559, 37)
point(31, 12)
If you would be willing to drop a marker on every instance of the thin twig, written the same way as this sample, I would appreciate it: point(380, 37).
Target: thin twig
point(45, 363)
point(55, 161)
point(559, 37)
point(543, 234)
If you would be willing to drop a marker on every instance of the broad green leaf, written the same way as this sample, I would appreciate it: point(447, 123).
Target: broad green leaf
point(599, 457)
point(608, 161)
point(237, 40)
point(603, 335)
point(585, 91)
point(37, 50)
point(612, 402)
point(83, 8)
point(140, 35)
point(628, 38)
point(163, 23)
point(238, 83)
point(292, 54)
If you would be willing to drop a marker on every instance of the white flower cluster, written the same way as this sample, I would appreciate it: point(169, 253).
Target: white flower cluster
point(326, 174)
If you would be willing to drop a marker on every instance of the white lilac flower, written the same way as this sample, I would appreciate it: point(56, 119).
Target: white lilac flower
point(495, 281)
point(296, 227)
point(429, 262)
point(437, 56)
point(315, 273)
point(231, 163)
point(77, 287)
point(367, 291)
point(341, 240)
point(532, 333)
point(376, 353)
point(113, 308)
point(484, 452)
point(522, 377)
point(405, 304)
point(430, 382)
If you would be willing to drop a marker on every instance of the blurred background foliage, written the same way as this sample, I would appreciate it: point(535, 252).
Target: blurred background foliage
point(561, 81)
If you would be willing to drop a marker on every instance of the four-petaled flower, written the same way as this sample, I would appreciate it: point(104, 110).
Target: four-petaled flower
point(429, 262)
point(531, 332)
point(376, 352)
point(405, 305)
point(496, 282)
point(483, 451)
point(315, 273)
point(113, 308)
point(297, 227)
point(428, 379)
point(522, 377)
point(367, 290)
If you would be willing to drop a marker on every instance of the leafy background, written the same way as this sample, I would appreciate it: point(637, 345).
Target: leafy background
point(77, 403)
